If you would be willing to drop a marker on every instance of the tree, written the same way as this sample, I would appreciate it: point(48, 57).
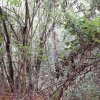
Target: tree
point(42, 60)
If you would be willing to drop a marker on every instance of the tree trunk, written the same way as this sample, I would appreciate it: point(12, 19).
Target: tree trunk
point(7, 40)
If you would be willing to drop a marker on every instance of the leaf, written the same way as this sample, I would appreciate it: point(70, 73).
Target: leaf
point(67, 43)
point(96, 40)
point(44, 58)
point(2, 17)
point(1, 51)
point(66, 49)
point(62, 55)
point(98, 55)
point(41, 49)
point(1, 39)
point(15, 2)
point(96, 21)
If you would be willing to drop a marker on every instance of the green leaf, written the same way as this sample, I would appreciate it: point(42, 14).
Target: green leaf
point(15, 2)
point(96, 40)
point(98, 55)
point(96, 22)
point(67, 43)
point(1, 39)
point(1, 51)
point(66, 49)
point(44, 58)
point(41, 49)
point(62, 55)
point(2, 17)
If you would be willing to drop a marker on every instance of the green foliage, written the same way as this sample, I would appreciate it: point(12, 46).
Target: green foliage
point(69, 21)
point(1, 51)
point(41, 49)
point(62, 54)
point(73, 45)
point(55, 95)
point(24, 50)
point(98, 55)
point(2, 17)
point(44, 58)
point(15, 2)
point(1, 39)
point(89, 28)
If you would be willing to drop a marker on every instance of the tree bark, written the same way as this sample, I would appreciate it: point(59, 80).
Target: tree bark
point(7, 40)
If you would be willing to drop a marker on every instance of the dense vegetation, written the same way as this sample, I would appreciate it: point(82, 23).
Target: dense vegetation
point(50, 49)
